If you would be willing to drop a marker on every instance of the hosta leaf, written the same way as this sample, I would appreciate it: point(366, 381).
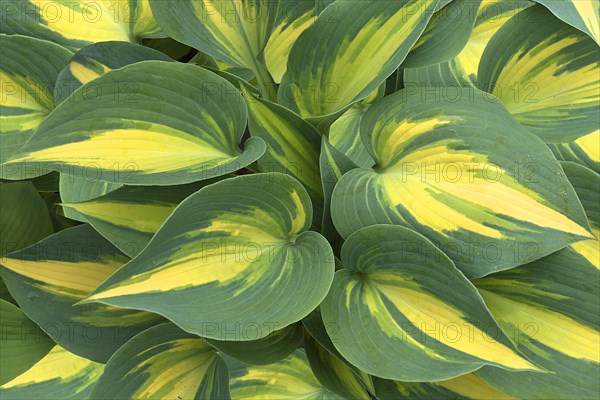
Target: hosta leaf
point(148, 123)
point(290, 378)
point(546, 73)
point(294, 16)
point(97, 59)
point(74, 189)
point(344, 135)
point(402, 299)
point(272, 348)
point(446, 34)
point(551, 308)
point(48, 278)
point(468, 386)
point(129, 216)
point(587, 185)
point(582, 14)
point(24, 219)
point(333, 165)
point(28, 71)
point(462, 69)
point(74, 24)
point(47, 183)
point(59, 375)
point(23, 343)
point(233, 31)
point(584, 151)
point(164, 362)
point(351, 48)
point(464, 174)
point(292, 146)
point(225, 247)
point(334, 373)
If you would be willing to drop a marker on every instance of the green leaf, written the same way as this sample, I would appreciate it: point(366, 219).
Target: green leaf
point(334, 373)
point(466, 175)
point(468, 386)
point(344, 135)
point(29, 69)
point(75, 24)
point(294, 16)
point(129, 216)
point(446, 34)
point(546, 73)
point(233, 31)
point(462, 69)
point(134, 130)
point(582, 14)
point(164, 362)
point(351, 48)
point(24, 219)
point(584, 151)
point(74, 189)
point(48, 278)
point(292, 146)
point(97, 59)
point(288, 379)
point(224, 247)
point(23, 343)
point(551, 308)
point(272, 348)
point(405, 300)
point(587, 186)
point(59, 375)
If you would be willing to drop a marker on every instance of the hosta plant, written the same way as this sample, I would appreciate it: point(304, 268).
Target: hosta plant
point(300, 199)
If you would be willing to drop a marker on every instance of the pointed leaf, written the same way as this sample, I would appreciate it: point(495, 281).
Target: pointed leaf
point(164, 362)
point(116, 130)
point(59, 375)
point(349, 51)
point(74, 189)
point(466, 175)
point(551, 308)
point(48, 278)
point(584, 151)
point(407, 301)
point(546, 73)
point(75, 24)
point(23, 343)
point(29, 69)
point(224, 247)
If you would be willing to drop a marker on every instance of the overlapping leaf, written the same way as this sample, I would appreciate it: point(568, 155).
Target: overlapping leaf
point(164, 362)
point(75, 24)
point(148, 123)
point(582, 14)
point(59, 375)
point(226, 247)
point(49, 277)
point(407, 301)
point(464, 174)
point(29, 69)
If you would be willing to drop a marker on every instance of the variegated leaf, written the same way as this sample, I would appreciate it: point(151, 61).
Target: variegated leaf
point(551, 308)
point(546, 73)
point(582, 14)
point(29, 69)
point(77, 23)
point(225, 247)
point(97, 59)
point(288, 379)
point(164, 362)
point(584, 151)
point(348, 52)
point(408, 302)
point(59, 375)
point(74, 189)
point(23, 343)
point(466, 175)
point(173, 124)
point(49, 277)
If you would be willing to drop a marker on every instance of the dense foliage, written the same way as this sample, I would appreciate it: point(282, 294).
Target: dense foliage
point(300, 199)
